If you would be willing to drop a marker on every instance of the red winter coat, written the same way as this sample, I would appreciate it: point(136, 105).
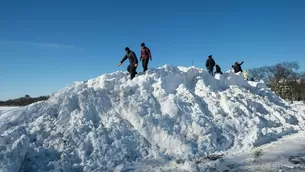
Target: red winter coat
point(145, 53)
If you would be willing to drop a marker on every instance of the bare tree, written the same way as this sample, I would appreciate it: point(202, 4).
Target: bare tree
point(257, 73)
point(282, 78)
point(285, 76)
point(302, 86)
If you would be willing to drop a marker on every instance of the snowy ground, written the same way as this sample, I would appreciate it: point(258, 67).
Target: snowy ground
point(286, 154)
point(4, 109)
point(171, 118)
point(299, 105)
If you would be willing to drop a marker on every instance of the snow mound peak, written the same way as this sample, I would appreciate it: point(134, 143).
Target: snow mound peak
point(169, 113)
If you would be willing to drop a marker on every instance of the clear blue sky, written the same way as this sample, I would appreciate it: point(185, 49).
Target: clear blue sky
point(47, 45)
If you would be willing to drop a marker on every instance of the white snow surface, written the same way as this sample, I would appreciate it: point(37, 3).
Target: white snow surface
point(300, 105)
point(170, 114)
point(286, 154)
point(4, 108)
point(7, 108)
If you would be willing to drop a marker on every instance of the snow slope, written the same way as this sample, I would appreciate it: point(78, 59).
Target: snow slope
point(7, 108)
point(170, 114)
point(285, 154)
point(299, 105)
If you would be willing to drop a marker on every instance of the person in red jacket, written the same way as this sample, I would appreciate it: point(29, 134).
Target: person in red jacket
point(145, 56)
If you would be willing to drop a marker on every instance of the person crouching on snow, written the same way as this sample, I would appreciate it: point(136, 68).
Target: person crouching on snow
point(218, 69)
point(237, 67)
point(133, 60)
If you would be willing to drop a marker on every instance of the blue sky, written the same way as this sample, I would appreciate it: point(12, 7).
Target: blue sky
point(47, 45)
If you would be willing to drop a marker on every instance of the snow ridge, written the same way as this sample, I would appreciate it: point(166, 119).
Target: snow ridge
point(169, 113)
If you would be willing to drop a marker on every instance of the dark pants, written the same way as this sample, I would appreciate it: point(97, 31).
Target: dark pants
point(145, 64)
point(132, 70)
point(211, 71)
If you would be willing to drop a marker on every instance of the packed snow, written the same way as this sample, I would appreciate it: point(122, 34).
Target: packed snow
point(300, 105)
point(287, 154)
point(174, 117)
point(7, 108)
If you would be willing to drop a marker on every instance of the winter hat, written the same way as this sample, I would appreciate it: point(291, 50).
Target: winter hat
point(127, 49)
point(142, 44)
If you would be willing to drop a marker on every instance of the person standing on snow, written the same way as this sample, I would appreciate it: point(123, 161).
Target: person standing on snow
point(237, 67)
point(210, 63)
point(133, 60)
point(145, 56)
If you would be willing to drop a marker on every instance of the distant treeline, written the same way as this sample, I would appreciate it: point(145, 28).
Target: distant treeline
point(23, 101)
point(284, 79)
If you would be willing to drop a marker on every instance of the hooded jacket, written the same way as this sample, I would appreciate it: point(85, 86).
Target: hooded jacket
point(132, 58)
point(210, 63)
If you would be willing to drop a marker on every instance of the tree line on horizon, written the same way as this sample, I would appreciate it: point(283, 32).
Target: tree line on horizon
point(283, 78)
point(23, 101)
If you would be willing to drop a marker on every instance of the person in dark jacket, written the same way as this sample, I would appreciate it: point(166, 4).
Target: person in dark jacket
point(133, 62)
point(210, 63)
point(145, 56)
point(237, 67)
point(218, 69)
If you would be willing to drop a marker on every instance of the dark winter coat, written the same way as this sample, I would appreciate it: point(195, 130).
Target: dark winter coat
point(145, 53)
point(218, 69)
point(237, 67)
point(210, 63)
point(132, 58)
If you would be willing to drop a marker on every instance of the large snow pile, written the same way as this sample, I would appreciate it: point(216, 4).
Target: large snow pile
point(170, 113)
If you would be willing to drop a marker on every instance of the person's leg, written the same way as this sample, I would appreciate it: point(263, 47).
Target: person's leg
point(146, 64)
point(143, 64)
point(129, 68)
point(133, 72)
